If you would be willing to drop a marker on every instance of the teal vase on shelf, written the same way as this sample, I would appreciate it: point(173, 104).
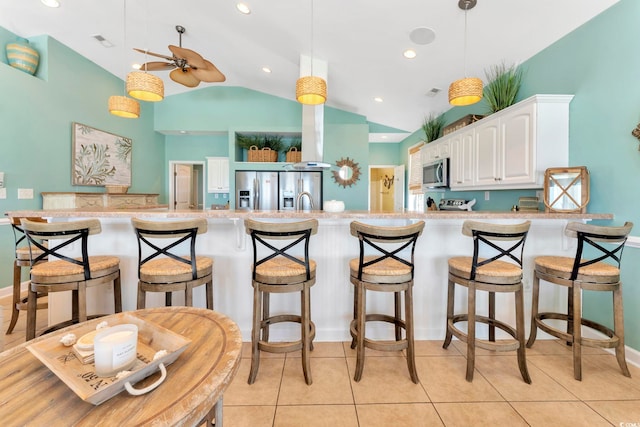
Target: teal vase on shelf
point(22, 56)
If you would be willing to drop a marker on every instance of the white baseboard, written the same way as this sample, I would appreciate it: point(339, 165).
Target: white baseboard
point(8, 291)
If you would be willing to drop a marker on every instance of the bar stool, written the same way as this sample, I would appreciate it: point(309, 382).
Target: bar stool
point(63, 273)
point(21, 260)
point(165, 269)
point(600, 272)
point(281, 264)
point(391, 269)
point(491, 274)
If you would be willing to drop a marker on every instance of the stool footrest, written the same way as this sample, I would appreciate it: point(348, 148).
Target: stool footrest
point(610, 342)
point(377, 344)
point(508, 345)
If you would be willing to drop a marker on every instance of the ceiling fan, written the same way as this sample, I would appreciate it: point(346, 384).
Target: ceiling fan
point(189, 67)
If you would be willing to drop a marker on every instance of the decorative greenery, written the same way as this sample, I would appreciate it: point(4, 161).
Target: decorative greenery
point(432, 127)
point(297, 143)
point(261, 141)
point(504, 83)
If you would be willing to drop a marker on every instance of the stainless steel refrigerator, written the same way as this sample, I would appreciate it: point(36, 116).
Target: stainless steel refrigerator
point(257, 190)
point(292, 183)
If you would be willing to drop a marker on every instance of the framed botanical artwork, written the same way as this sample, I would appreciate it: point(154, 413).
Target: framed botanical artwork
point(100, 158)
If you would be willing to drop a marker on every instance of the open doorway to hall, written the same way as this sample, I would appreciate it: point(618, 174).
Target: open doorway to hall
point(186, 185)
point(386, 188)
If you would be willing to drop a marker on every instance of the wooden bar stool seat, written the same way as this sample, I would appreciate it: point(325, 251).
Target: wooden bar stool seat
point(162, 267)
point(22, 260)
point(595, 267)
point(63, 273)
point(489, 273)
point(281, 264)
point(391, 269)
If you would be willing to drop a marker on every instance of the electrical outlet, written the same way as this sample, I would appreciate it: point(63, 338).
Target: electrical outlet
point(486, 195)
point(25, 193)
point(540, 194)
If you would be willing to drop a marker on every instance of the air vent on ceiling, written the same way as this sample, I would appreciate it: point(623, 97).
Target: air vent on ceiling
point(434, 91)
point(104, 42)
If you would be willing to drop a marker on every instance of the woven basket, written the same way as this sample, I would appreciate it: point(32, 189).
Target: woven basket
point(293, 155)
point(116, 189)
point(269, 155)
point(254, 154)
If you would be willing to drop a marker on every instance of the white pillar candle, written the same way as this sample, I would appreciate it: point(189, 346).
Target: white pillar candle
point(115, 349)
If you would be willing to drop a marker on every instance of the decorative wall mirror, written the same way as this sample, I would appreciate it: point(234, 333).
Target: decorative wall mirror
point(348, 173)
point(566, 189)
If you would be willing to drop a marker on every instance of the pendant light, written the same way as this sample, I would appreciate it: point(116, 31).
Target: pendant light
point(144, 86)
point(123, 106)
point(311, 90)
point(467, 90)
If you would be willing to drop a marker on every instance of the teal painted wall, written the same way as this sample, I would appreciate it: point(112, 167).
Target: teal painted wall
point(36, 115)
point(384, 154)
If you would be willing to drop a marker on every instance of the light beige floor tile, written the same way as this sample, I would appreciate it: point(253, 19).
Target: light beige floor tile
point(619, 413)
point(434, 348)
point(368, 352)
point(503, 374)
point(479, 414)
point(264, 391)
point(322, 349)
point(316, 416)
point(246, 353)
point(444, 380)
point(254, 416)
point(559, 414)
point(385, 380)
point(601, 377)
point(330, 383)
point(405, 415)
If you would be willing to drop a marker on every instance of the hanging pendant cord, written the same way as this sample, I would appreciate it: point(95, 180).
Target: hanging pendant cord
point(124, 47)
point(466, 6)
point(312, 38)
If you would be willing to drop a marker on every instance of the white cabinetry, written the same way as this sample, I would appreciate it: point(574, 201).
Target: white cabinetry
point(217, 174)
point(435, 150)
point(512, 148)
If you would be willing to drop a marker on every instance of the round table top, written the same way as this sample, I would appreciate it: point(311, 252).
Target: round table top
point(32, 394)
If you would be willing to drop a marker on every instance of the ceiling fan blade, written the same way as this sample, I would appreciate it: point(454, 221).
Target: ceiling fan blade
point(194, 59)
point(184, 77)
point(157, 66)
point(210, 73)
point(146, 52)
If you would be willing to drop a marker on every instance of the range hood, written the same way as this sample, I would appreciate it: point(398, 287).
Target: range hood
point(312, 138)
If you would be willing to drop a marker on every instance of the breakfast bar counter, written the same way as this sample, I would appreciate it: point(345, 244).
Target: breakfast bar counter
point(332, 247)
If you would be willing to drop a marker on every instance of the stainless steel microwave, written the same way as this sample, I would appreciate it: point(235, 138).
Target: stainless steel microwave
point(435, 174)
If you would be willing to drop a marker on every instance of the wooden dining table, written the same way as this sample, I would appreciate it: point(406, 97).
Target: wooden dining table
point(31, 394)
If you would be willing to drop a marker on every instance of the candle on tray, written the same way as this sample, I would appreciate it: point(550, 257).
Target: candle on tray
point(115, 349)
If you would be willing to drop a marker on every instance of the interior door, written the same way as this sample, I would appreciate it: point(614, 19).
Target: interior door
point(398, 188)
point(182, 176)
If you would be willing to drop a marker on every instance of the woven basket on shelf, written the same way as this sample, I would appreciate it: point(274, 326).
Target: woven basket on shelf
point(269, 155)
point(293, 155)
point(254, 154)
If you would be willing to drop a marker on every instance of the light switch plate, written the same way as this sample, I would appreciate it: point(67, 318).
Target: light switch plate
point(25, 193)
point(3, 193)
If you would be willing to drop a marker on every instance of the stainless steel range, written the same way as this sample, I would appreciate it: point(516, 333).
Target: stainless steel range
point(456, 204)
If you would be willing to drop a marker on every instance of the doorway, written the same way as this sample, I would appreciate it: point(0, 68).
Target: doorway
point(386, 188)
point(186, 185)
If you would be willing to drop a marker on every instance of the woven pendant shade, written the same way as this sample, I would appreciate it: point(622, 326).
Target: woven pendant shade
point(311, 90)
point(124, 107)
point(465, 91)
point(145, 86)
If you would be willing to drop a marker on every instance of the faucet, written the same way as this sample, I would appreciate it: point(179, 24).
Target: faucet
point(299, 200)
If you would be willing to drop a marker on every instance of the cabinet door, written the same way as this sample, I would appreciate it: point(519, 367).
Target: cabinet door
point(218, 174)
point(461, 164)
point(487, 148)
point(517, 162)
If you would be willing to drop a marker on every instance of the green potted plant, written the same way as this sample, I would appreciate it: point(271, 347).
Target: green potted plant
point(504, 84)
point(432, 127)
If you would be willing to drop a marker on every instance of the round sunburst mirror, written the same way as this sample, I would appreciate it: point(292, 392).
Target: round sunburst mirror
point(348, 173)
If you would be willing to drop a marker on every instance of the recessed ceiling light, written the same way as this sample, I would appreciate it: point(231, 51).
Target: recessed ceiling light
point(51, 3)
point(384, 137)
point(409, 53)
point(266, 69)
point(243, 8)
point(378, 99)
point(183, 132)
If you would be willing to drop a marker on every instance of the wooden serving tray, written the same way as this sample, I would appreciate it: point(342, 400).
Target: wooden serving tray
point(82, 379)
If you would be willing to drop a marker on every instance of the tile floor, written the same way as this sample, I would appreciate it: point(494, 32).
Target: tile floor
point(386, 396)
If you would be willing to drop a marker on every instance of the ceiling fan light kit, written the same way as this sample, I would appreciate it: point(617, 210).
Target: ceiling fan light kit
point(468, 90)
point(123, 106)
point(145, 86)
point(311, 90)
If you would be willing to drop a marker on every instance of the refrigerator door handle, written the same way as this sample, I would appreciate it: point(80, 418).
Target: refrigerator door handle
point(256, 194)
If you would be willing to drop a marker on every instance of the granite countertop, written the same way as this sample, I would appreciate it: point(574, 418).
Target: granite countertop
point(240, 214)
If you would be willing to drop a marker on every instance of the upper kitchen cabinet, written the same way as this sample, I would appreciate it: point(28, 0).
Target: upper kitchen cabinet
point(512, 149)
point(218, 174)
point(438, 149)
